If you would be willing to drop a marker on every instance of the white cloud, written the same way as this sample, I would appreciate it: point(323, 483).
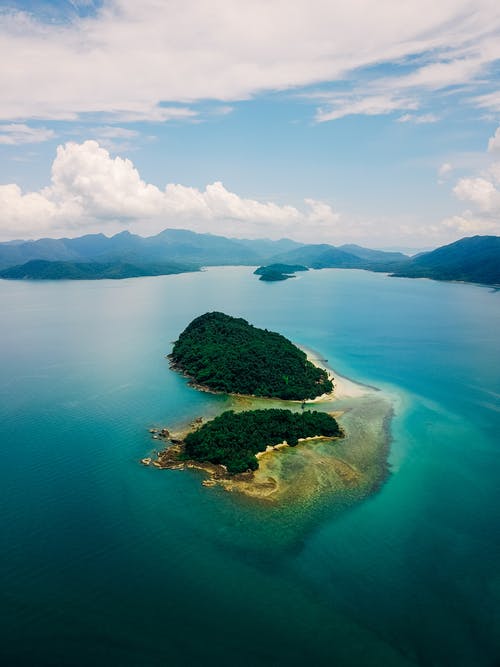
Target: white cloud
point(483, 193)
point(114, 138)
point(419, 119)
point(490, 101)
point(369, 106)
point(89, 188)
point(131, 58)
point(469, 224)
point(114, 132)
point(18, 133)
point(494, 142)
point(445, 169)
point(480, 192)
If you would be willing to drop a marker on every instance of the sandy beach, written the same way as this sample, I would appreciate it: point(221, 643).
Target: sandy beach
point(343, 387)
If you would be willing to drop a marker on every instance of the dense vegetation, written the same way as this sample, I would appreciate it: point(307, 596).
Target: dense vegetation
point(275, 276)
point(475, 259)
point(230, 355)
point(274, 272)
point(40, 269)
point(233, 439)
point(280, 268)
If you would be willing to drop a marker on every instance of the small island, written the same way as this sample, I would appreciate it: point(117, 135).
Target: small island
point(228, 355)
point(276, 272)
point(234, 439)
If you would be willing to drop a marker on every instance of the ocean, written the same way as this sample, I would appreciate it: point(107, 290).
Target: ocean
point(106, 562)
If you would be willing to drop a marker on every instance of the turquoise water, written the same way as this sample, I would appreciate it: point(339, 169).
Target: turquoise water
point(106, 562)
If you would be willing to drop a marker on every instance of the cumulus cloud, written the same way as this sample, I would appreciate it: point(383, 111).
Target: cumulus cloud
point(89, 188)
point(132, 59)
point(482, 192)
point(470, 224)
point(494, 142)
point(479, 191)
point(18, 133)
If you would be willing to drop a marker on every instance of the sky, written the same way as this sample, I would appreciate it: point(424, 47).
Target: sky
point(374, 122)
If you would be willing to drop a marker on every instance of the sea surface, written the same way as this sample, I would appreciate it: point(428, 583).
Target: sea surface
point(106, 562)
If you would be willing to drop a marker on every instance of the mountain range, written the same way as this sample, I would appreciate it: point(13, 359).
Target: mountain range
point(94, 256)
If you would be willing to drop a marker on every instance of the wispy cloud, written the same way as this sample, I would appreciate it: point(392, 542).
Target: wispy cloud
point(419, 119)
point(136, 61)
point(374, 105)
point(18, 133)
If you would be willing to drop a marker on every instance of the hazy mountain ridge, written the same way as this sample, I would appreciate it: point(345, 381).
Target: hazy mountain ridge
point(472, 259)
point(180, 245)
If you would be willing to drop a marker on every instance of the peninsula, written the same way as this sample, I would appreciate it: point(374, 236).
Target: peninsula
point(228, 355)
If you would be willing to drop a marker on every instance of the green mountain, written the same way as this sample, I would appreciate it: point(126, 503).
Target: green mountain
point(171, 245)
point(379, 256)
point(475, 259)
point(40, 269)
point(320, 256)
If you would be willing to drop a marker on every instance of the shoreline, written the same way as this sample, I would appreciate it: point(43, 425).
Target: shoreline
point(343, 387)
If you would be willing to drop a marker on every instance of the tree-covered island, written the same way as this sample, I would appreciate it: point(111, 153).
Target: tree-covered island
point(276, 272)
point(233, 439)
point(227, 354)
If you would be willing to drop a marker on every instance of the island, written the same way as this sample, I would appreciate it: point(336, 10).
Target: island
point(226, 354)
point(234, 439)
point(276, 272)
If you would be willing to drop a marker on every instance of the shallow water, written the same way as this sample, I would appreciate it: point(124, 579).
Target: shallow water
point(105, 561)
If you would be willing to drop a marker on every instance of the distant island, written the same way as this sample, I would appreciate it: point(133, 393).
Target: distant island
point(233, 439)
point(227, 354)
point(276, 272)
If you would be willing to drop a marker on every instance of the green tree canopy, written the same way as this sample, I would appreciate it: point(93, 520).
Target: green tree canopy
point(233, 439)
point(230, 355)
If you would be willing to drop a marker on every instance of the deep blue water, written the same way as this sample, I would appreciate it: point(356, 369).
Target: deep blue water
point(105, 562)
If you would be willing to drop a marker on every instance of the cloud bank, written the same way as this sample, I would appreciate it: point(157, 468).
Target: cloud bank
point(151, 60)
point(90, 190)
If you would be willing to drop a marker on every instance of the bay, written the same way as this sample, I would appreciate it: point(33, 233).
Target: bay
point(104, 561)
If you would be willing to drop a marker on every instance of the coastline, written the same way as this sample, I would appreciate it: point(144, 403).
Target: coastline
point(343, 387)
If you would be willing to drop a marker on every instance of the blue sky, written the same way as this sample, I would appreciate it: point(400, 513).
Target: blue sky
point(372, 122)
